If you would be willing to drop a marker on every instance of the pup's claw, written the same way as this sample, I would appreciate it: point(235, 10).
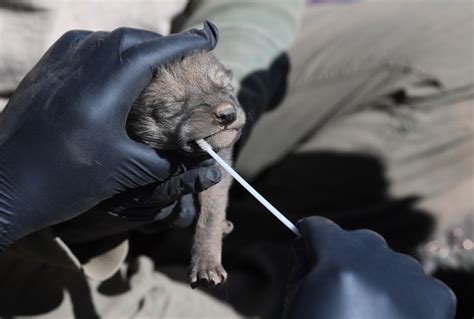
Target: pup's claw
point(193, 278)
point(202, 276)
point(213, 277)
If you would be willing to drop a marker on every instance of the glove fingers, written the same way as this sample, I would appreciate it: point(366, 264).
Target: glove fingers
point(173, 47)
point(144, 205)
point(369, 237)
point(151, 167)
point(320, 233)
point(65, 42)
point(205, 163)
point(192, 181)
point(144, 165)
point(186, 212)
point(129, 37)
point(55, 56)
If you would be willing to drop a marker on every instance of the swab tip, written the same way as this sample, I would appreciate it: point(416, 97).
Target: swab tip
point(204, 145)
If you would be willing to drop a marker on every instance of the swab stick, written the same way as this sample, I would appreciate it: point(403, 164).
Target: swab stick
point(206, 147)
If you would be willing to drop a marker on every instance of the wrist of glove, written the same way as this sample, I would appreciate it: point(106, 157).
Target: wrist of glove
point(354, 274)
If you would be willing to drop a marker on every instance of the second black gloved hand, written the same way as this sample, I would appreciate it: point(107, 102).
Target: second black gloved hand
point(354, 274)
point(63, 143)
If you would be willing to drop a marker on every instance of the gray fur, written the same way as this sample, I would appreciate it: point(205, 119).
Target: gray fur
point(174, 111)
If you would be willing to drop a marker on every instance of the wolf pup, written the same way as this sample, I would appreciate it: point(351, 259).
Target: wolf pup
point(186, 101)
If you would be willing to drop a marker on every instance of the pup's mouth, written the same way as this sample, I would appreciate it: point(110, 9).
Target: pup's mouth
point(219, 140)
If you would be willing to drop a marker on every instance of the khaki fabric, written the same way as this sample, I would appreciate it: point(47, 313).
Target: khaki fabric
point(351, 58)
point(377, 117)
point(251, 33)
point(135, 291)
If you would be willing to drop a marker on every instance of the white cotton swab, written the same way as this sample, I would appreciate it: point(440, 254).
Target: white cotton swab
point(206, 147)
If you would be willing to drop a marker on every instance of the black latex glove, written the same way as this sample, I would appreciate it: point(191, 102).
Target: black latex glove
point(170, 201)
point(354, 274)
point(150, 209)
point(63, 143)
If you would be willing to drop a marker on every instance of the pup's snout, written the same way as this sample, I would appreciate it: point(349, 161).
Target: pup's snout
point(225, 114)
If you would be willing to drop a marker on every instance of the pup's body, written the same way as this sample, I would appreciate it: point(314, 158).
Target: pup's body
point(187, 101)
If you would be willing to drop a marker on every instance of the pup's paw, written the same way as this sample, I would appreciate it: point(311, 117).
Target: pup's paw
point(207, 274)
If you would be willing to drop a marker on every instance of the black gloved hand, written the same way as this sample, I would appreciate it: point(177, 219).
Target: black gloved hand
point(63, 143)
point(354, 274)
point(150, 209)
point(170, 201)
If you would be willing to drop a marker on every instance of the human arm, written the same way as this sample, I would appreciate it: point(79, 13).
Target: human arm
point(354, 274)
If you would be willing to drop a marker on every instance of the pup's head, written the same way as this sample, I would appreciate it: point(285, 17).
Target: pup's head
point(186, 101)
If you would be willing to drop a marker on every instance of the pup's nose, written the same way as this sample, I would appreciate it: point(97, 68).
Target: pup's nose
point(225, 114)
